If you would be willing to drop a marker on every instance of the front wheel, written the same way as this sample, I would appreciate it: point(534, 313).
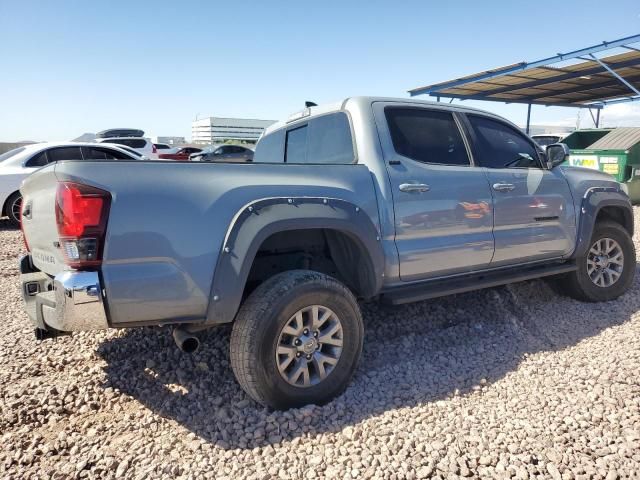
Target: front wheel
point(606, 271)
point(13, 209)
point(297, 340)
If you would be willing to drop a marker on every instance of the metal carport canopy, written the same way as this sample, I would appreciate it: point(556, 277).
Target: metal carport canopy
point(583, 81)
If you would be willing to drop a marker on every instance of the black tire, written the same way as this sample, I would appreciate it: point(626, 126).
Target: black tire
point(258, 326)
point(12, 208)
point(579, 285)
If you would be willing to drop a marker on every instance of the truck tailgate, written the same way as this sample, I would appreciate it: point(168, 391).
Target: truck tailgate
point(39, 220)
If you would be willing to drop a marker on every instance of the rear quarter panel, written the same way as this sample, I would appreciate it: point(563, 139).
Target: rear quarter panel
point(168, 221)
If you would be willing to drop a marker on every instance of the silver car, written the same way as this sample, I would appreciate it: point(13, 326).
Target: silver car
point(223, 153)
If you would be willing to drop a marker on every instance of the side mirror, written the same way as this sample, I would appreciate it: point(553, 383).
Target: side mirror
point(557, 153)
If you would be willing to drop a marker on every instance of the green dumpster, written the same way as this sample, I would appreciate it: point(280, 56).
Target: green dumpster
point(615, 151)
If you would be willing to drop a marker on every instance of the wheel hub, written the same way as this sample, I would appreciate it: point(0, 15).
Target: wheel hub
point(605, 262)
point(309, 346)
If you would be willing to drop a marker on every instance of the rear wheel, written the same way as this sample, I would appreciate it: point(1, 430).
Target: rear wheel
point(297, 340)
point(13, 206)
point(607, 269)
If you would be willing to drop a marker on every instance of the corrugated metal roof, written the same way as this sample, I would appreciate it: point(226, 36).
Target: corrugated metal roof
point(578, 84)
point(621, 138)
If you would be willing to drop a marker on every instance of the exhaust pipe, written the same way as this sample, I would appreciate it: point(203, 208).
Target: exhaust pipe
point(187, 342)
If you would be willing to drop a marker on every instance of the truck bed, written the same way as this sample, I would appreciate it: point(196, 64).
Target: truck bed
point(168, 221)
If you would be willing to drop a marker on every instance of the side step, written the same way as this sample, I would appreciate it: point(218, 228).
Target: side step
point(476, 281)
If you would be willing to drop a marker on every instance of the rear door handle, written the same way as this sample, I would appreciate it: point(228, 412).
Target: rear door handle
point(414, 187)
point(503, 187)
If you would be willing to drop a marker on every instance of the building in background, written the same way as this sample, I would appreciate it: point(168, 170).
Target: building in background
point(170, 140)
point(218, 129)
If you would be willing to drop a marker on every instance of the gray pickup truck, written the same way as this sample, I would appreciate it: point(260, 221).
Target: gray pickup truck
point(393, 200)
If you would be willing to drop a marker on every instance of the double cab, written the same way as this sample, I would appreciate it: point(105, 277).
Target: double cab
point(392, 200)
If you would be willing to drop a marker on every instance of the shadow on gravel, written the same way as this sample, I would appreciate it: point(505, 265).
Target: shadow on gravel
point(413, 354)
point(5, 224)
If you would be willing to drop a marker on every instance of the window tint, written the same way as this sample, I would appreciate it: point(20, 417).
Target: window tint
point(429, 136)
point(330, 140)
point(130, 142)
point(64, 153)
point(324, 139)
point(101, 153)
point(40, 160)
point(296, 147)
point(500, 146)
point(162, 146)
point(270, 148)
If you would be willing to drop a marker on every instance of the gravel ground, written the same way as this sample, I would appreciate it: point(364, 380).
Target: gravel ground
point(510, 382)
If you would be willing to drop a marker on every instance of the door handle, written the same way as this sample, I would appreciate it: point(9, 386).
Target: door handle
point(503, 187)
point(414, 187)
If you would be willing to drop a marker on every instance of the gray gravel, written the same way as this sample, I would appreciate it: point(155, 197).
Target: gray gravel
point(511, 382)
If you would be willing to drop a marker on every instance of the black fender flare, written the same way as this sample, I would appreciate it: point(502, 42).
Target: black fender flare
point(260, 219)
point(594, 200)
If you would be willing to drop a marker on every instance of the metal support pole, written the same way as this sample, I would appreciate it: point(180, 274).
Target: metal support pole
point(598, 118)
point(612, 72)
point(528, 117)
point(438, 97)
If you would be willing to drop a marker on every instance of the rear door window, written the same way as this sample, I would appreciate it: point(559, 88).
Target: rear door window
point(64, 153)
point(428, 136)
point(498, 145)
point(103, 153)
point(39, 160)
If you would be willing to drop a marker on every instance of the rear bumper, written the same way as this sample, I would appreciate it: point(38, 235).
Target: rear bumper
point(70, 301)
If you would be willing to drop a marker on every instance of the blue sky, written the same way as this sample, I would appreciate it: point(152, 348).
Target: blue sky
point(71, 67)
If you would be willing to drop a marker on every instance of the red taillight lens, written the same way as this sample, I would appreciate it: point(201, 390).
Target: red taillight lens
point(81, 214)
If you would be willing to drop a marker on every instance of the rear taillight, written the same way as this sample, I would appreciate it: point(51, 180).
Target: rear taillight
point(81, 215)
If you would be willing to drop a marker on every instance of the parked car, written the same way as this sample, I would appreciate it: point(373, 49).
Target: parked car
point(129, 137)
point(130, 150)
point(164, 148)
point(393, 200)
point(182, 154)
point(223, 153)
point(19, 163)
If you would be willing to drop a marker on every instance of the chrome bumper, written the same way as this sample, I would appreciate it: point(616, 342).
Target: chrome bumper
point(71, 301)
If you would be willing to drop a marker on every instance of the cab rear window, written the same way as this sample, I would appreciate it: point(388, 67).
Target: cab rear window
point(325, 139)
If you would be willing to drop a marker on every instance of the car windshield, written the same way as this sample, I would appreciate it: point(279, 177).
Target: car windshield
point(546, 140)
point(11, 153)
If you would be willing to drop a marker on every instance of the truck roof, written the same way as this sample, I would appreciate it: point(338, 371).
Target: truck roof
point(366, 101)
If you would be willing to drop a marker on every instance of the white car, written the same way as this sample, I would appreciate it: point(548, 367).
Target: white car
point(142, 145)
point(19, 163)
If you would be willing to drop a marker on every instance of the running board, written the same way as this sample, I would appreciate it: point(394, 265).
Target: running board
point(474, 281)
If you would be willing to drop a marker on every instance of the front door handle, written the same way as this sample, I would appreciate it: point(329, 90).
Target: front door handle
point(414, 187)
point(503, 187)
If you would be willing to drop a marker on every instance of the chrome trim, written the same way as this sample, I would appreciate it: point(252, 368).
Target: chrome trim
point(79, 304)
